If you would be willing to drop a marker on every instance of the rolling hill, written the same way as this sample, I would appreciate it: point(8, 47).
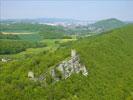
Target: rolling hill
point(105, 25)
point(97, 27)
point(32, 30)
point(109, 23)
point(108, 58)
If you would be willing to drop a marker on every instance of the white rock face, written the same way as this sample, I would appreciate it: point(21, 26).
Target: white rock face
point(3, 60)
point(73, 53)
point(30, 74)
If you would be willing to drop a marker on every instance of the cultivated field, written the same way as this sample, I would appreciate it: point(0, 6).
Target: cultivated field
point(16, 33)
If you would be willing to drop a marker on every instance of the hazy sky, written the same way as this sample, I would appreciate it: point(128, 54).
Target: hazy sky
point(76, 9)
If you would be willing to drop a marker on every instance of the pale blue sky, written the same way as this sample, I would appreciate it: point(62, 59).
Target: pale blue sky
point(76, 9)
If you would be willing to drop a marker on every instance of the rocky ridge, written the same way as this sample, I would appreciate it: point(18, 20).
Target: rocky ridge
point(64, 69)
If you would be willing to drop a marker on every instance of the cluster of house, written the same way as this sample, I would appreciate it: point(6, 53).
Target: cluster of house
point(5, 59)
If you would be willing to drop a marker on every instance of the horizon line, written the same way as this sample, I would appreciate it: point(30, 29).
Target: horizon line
point(61, 18)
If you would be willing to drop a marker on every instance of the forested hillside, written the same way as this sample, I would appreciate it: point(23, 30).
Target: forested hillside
point(108, 58)
point(15, 46)
point(108, 24)
point(8, 36)
point(44, 31)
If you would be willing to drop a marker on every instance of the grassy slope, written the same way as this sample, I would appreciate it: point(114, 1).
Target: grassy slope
point(108, 58)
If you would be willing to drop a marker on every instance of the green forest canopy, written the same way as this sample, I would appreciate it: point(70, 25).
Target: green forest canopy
point(108, 58)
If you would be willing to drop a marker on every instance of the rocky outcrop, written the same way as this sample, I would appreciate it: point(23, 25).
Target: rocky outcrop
point(68, 67)
point(64, 69)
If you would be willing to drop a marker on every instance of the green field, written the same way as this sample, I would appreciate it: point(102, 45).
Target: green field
point(51, 45)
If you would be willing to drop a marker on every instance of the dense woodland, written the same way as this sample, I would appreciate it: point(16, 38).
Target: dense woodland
point(108, 58)
point(15, 46)
point(8, 36)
